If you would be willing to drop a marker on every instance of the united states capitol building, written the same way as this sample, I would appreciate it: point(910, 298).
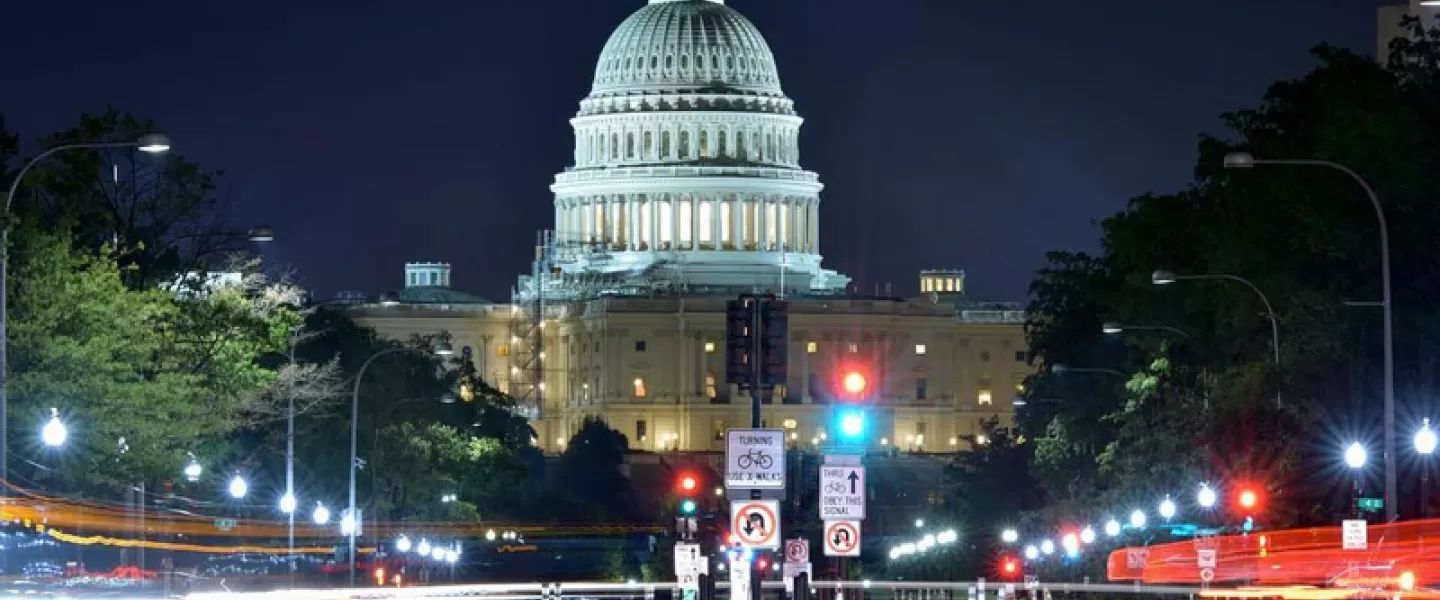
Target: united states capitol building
point(687, 190)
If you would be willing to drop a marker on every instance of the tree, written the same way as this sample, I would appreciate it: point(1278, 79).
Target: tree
point(587, 477)
point(161, 214)
point(142, 376)
point(1211, 404)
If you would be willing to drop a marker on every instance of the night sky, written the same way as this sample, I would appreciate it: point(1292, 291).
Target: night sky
point(949, 133)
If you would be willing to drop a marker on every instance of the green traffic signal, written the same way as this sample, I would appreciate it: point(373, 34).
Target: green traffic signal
point(688, 507)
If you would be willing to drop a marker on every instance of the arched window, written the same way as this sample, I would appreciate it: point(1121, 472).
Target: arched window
point(704, 143)
point(614, 146)
point(684, 144)
point(630, 145)
point(665, 144)
point(649, 145)
point(742, 150)
point(721, 149)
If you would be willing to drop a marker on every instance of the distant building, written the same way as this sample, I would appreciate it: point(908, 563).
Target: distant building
point(1388, 24)
point(686, 191)
point(197, 283)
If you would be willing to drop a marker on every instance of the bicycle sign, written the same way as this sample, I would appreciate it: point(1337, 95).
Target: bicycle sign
point(842, 493)
point(755, 459)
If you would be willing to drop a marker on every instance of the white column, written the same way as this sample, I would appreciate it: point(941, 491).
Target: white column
point(652, 208)
point(762, 222)
point(715, 222)
point(815, 225)
point(674, 201)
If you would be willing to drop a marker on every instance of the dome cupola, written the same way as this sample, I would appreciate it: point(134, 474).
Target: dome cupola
point(684, 45)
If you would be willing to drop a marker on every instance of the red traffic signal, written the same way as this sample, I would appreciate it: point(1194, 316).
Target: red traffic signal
point(688, 483)
point(853, 384)
point(1009, 568)
point(1248, 499)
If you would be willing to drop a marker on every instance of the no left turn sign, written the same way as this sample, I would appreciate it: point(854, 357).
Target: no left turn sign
point(756, 523)
point(842, 538)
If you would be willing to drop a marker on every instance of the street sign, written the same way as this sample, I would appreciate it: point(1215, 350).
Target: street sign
point(688, 559)
point(1354, 535)
point(756, 523)
point(842, 492)
point(1205, 559)
point(1371, 504)
point(739, 577)
point(225, 524)
point(842, 538)
point(755, 459)
point(1207, 575)
point(797, 551)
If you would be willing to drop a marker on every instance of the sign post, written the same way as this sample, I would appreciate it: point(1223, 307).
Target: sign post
point(1354, 535)
point(842, 492)
point(756, 523)
point(842, 538)
point(755, 459)
point(689, 564)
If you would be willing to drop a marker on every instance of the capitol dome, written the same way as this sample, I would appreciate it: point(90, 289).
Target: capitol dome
point(686, 171)
point(686, 44)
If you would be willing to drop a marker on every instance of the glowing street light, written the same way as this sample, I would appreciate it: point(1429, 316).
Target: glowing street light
point(1047, 547)
point(1031, 552)
point(193, 470)
point(437, 553)
point(1112, 528)
point(424, 548)
point(453, 556)
point(1071, 543)
point(1167, 508)
point(1425, 439)
point(1009, 536)
point(238, 487)
point(1355, 456)
point(1137, 519)
point(402, 545)
point(321, 515)
point(1206, 497)
point(54, 433)
point(1087, 535)
point(287, 503)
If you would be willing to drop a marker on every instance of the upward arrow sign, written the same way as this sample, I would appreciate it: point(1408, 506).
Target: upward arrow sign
point(853, 478)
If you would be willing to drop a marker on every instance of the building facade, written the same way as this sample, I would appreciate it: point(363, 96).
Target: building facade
point(686, 191)
point(1388, 23)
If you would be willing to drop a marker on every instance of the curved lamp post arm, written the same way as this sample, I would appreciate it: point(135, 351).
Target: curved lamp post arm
point(354, 438)
point(1157, 328)
point(1391, 486)
point(15, 183)
point(1269, 309)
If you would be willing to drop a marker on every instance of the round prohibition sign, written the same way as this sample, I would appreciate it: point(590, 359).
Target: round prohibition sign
point(842, 537)
point(755, 524)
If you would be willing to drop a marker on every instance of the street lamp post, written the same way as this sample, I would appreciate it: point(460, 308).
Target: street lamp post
point(1163, 277)
point(150, 143)
point(441, 349)
point(1244, 160)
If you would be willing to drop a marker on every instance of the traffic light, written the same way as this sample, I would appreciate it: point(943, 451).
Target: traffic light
point(852, 423)
point(685, 487)
point(1248, 499)
point(853, 384)
point(739, 341)
point(1009, 568)
point(774, 341)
